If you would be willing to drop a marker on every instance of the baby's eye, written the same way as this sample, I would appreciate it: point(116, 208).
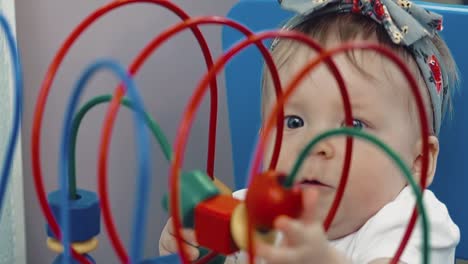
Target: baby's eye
point(293, 122)
point(358, 124)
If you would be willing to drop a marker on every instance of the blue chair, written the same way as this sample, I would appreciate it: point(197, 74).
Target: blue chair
point(243, 78)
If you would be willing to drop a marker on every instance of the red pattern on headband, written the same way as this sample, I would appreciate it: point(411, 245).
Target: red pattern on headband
point(436, 72)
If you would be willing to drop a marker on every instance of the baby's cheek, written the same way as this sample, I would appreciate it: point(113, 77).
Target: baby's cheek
point(269, 147)
point(287, 156)
point(376, 182)
point(360, 202)
point(323, 206)
point(371, 181)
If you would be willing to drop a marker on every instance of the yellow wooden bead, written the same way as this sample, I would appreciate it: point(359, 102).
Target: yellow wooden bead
point(239, 229)
point(79, 247)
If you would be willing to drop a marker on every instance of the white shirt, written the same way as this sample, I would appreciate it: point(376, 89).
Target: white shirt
point(380, 236)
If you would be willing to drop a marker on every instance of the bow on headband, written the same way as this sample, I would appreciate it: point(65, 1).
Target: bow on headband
point(406, 23)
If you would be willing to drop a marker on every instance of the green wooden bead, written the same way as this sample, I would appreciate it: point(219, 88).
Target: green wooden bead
point(195, 187)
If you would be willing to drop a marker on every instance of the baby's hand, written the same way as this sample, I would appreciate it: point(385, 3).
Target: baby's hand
point(168, 244)
point(304, 240)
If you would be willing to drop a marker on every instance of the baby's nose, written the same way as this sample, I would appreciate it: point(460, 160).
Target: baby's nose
point(323, 149)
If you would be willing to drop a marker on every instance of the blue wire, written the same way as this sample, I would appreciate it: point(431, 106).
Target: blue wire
point(17, 104)
point(143, 155)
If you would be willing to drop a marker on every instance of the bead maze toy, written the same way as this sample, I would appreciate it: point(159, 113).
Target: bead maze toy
point(196, 198)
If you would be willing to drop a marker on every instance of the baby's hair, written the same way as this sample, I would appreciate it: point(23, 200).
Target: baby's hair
point(349, 26)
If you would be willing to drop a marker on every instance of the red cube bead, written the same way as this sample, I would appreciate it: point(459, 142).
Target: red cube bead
point(213, 223)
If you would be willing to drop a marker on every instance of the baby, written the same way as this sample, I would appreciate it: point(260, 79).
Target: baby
point(377, 202)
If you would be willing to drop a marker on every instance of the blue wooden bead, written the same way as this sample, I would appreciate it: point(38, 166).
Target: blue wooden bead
point(84, 215)
point(59, 260)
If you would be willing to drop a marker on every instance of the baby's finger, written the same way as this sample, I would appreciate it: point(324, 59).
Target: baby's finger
point(293, 230)
point(276, 255)
point(169, 226)
point(169, 246)
point(188, 235)
point(309, 200)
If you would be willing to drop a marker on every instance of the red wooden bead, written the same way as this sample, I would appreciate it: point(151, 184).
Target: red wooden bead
point(267, 199)
point(213, 223)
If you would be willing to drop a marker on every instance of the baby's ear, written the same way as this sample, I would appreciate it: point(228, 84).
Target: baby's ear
point(433, 154)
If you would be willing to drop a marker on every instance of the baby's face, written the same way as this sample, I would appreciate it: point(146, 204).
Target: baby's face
point(380, 106)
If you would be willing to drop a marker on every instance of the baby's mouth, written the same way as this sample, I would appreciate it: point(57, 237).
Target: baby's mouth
point(313, 183)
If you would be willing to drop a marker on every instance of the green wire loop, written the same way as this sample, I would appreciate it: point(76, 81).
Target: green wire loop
point(153, 126)
point(398, 161)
